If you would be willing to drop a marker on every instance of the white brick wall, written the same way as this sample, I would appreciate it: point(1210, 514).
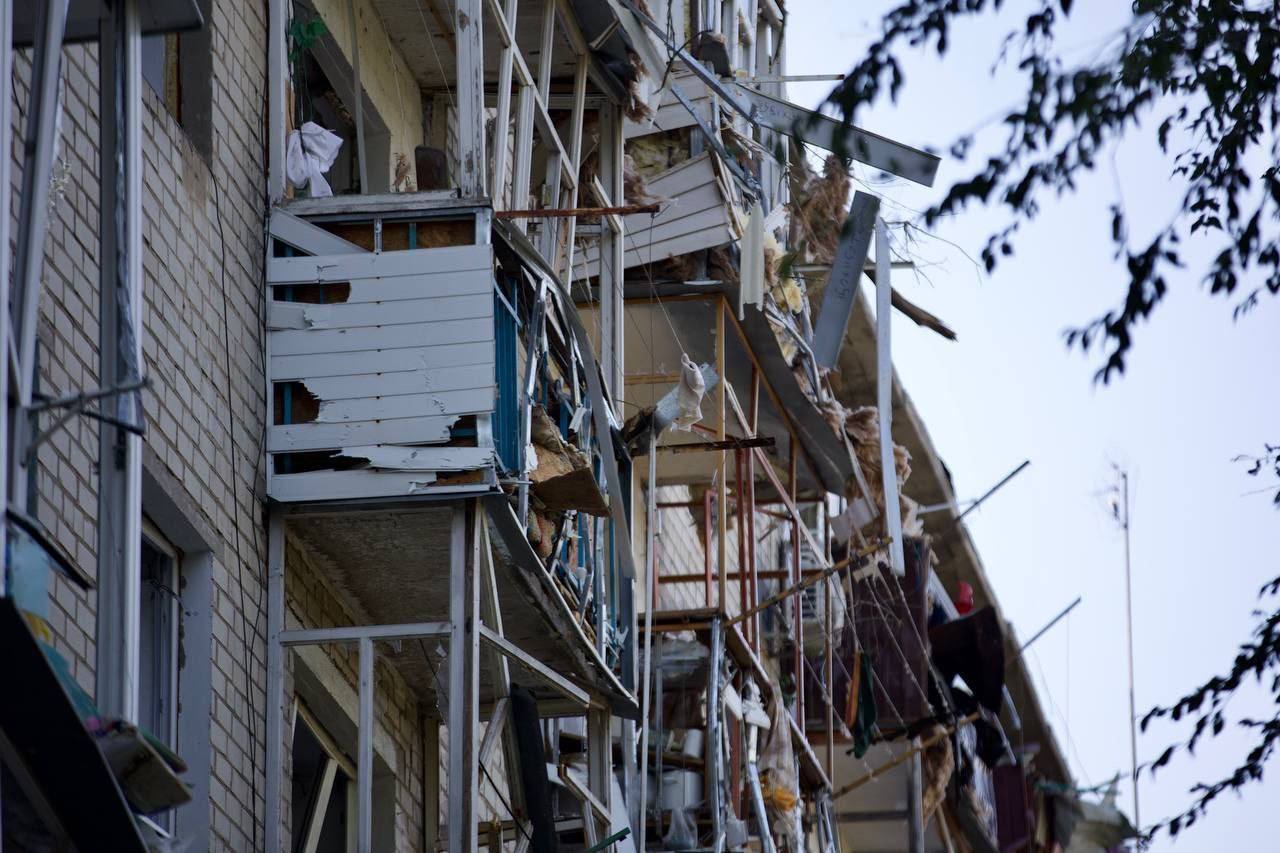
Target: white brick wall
point(184, 349)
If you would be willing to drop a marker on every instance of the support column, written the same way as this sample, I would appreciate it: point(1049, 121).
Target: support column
point(120, 347)
point(33, 211)
point(364, 758)
point(275, 679)
point(6, 167)
point(463, 689)
point(277, 98)
point(469, 35)
point(430, 784)
point(711, 746)
point(599, 763)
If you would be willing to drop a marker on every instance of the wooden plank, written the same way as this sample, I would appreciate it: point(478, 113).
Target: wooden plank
point(842, 282)
point(314, 341)
point(289, 367)
point(467, 401)
point(346, 315)
point(320, 269)
point(312, 239)
point(291, 437)
point(400, 382)
point(862, 145)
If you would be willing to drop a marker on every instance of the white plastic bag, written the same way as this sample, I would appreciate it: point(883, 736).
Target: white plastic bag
point(689, 394)
point(310, 153)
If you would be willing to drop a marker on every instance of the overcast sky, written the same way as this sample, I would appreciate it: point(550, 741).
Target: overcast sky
point(1200, 389)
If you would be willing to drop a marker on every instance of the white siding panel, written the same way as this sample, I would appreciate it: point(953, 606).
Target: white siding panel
point(291, 367)
point(316, 341)
point(321, 269)
point(466, 402)
point(289, 437)
point(357, 485)
point(312, 239)
point(416, 286)
point(698, 217)
point(671, 114)
point(400, 382)
point(342, 315)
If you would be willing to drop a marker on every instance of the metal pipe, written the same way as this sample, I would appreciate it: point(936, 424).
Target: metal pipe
point(991, 491)
point(915, 802)
point(6, 167)
point(1052, 622)
point(364, 761)
point(568, 212)
point(809, 581)
point(711, 748)
point(884, 400)
point(275, 678)
point(1128, 606)
point(651, 521)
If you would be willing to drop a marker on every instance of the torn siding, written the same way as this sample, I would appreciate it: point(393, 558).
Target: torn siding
point(396, 351)
point(670, 113)
point(697, 217)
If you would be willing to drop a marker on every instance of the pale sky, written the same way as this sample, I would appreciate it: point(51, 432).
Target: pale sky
point(1199, 390)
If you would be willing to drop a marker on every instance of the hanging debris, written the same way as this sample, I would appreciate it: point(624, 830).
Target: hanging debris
point(562, 479)
point(862, 426)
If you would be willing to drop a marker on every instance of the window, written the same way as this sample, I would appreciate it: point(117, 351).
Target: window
point(160, 64)
point(179, 69)
point(324, 790)
point(158, 615)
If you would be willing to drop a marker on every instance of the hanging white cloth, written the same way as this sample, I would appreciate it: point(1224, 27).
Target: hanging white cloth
point(309, 154)
point(751, 289)
point(689, 394)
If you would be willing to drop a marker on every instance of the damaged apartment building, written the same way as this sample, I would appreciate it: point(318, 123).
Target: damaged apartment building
point(445, 424)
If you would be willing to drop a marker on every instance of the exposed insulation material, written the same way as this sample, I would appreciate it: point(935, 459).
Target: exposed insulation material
point(636, 108)
point(563, 479)
point(658, 152)
point(862, 427)
point(818, 205)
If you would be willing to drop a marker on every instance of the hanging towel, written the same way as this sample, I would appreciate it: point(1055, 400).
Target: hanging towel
point(751, 289)
point(310, 153)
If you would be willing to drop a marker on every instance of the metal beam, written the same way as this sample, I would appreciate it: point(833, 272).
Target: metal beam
point(6, 168)
point(277, 85)
point(884, 400)
point(275, 677)
point(356, 633)
point(464, 618)
point(33, 209)
point(120, 359)
point(536, 667)
point(469, 26)
point(915, 805)
point(364, 759)
point(842, 281)
point(876, 151)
